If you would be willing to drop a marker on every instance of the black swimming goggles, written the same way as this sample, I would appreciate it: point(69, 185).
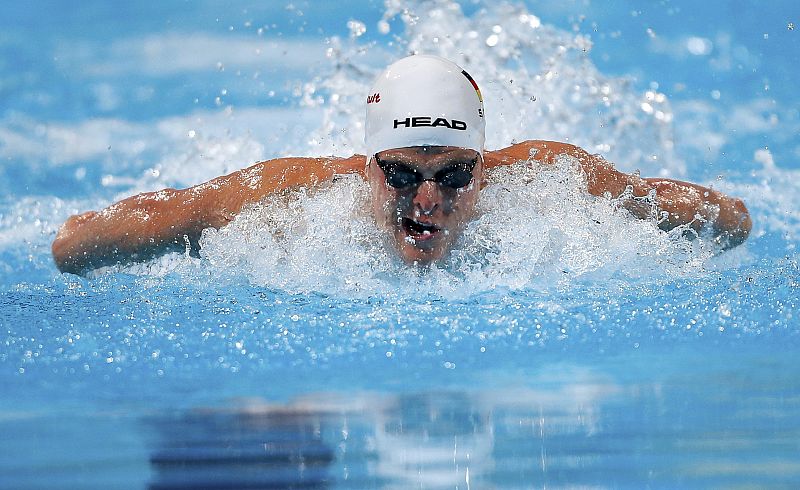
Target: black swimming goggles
point(401, 176)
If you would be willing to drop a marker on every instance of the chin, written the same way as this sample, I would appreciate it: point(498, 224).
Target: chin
point(421, 253)
point(416, 257)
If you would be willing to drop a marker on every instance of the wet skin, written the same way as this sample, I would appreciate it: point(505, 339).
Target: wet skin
point(424, 219)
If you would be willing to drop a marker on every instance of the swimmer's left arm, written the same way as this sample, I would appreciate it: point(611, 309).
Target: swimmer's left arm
point(680, 203)
point(697, 206)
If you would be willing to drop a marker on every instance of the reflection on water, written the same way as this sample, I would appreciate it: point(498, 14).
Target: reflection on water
point(279, 448)
point(570, 428)
point(433, 441)
point(714, 418)
point(421, 440)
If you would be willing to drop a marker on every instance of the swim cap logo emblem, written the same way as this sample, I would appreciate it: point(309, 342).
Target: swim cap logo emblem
point(376, 97)
point(415, 122)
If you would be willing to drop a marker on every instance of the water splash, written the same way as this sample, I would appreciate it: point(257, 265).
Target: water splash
point(535, 228)
point(538, 82)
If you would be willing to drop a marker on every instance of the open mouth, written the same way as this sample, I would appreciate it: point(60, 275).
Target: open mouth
point(420, 231)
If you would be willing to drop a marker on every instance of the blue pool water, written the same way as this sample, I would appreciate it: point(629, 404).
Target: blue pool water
point(549, 351)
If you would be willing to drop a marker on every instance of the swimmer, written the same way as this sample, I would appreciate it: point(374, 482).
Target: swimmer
point(425, 165)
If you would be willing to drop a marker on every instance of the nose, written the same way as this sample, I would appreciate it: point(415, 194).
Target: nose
point(428, 197)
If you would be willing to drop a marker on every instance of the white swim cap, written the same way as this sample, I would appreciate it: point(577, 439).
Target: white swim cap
point(424, 100)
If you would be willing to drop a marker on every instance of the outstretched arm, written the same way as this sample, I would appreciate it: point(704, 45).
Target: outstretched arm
point(154, 223)
point(681, 203)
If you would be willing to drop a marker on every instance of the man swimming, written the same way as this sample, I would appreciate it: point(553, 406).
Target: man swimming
point(425, 165)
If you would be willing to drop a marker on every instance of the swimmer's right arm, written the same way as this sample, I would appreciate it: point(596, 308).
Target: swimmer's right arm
point(150, 224)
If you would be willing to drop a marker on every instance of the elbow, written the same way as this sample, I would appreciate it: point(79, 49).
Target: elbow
point(745, 227)
point(65, 262)
point(736, 229)
point(65, 259)
point(70, 266)
point(66, 248)
point(745, 222)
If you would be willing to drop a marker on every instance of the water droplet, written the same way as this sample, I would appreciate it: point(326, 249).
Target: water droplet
point(531, 20)
point(491, 41)
point(357, 28)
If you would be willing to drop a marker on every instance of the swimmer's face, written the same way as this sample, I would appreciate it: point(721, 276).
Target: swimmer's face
point(423, 196)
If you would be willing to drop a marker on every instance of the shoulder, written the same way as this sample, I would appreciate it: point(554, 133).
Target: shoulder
point(540, 150)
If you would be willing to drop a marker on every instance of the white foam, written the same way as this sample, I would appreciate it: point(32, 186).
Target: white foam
point(536, 227)
point(537, 82)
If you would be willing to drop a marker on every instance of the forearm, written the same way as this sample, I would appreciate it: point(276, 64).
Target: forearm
point(134, 229)
point(675, 203)
point(701, 208)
